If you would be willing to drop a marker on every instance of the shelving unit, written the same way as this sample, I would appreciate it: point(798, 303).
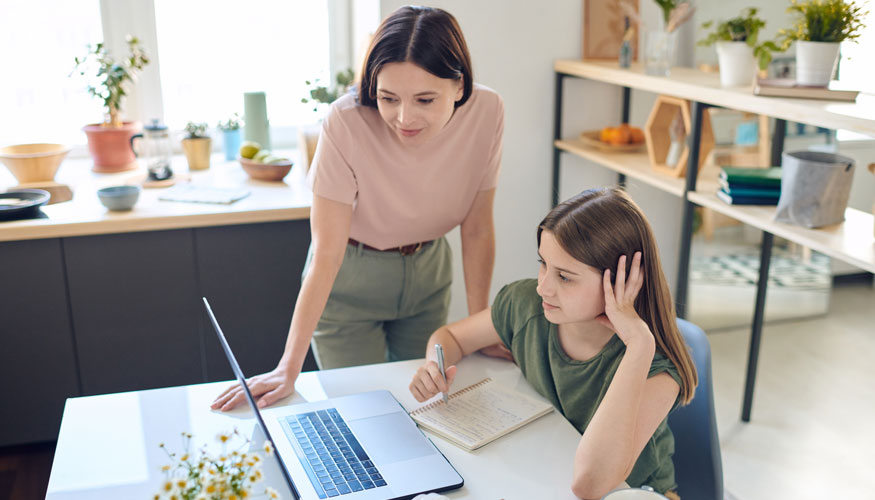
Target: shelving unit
point(852, 241)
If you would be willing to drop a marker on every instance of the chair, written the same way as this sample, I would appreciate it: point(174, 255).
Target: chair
point(697, 462)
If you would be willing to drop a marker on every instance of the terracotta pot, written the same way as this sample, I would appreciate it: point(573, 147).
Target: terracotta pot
point(110, 147)
point(197, 152)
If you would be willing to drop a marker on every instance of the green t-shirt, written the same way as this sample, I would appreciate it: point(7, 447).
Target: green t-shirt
point(576, 388)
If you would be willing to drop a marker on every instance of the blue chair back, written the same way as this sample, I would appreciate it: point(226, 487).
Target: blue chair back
point(697, 463)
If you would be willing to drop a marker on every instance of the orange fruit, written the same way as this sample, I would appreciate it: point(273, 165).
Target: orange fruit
point(621, 135)
point(605, 134)
point(637, 135)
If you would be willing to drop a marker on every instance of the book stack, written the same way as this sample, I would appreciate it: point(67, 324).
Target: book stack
point(787, 87)
point(750, 185)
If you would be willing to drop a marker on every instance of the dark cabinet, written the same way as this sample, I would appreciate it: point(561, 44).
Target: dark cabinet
point(134, 299)
point(37, 360)
point(251, 276)
point(121, 312)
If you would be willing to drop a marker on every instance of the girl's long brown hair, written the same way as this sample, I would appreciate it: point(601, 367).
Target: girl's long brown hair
point(596, 227)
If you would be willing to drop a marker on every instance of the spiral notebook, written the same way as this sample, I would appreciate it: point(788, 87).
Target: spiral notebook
point(480, 414)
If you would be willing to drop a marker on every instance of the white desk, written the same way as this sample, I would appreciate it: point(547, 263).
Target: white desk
point(108, 444)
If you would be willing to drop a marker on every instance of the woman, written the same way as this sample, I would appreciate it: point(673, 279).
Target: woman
point(414, 154)
point(595, 334)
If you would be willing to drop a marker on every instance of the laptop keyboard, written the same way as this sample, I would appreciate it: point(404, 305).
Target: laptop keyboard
point(334, 460)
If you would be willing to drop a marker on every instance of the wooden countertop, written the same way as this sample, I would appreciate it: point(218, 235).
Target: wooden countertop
point(84, 215)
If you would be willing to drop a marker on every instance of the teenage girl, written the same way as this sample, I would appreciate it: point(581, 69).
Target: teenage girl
point(596, 335)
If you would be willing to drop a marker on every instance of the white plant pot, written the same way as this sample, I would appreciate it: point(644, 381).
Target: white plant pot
point(736, 63)
point(815, 62)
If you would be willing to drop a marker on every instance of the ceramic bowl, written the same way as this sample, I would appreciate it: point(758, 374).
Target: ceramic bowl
point(31, 163)
point(266, 171)
point(119, 197)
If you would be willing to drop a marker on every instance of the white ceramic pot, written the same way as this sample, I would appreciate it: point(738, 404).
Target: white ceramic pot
point(816, 62)
point(736, 63)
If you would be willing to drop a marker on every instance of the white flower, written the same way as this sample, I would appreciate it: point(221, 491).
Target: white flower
point(268, 447)
point(271, 493)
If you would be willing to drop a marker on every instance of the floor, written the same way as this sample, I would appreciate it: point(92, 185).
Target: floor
point(811, 435)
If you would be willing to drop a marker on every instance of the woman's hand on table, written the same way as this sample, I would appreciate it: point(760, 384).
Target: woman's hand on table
point(267, 389)
point(428, 381)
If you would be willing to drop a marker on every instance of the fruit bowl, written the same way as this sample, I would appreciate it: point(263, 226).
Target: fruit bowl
point(265, 171)
point(31, 163)
point(591, 138)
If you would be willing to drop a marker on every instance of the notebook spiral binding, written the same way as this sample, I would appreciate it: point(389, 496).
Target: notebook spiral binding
point(451, 396)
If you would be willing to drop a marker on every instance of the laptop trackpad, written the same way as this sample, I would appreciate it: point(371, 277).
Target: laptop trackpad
point(391, 438)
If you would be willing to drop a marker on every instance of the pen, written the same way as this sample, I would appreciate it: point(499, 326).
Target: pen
point(439, 350)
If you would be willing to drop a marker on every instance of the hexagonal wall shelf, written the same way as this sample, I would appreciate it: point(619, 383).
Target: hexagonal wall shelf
point(659, 141)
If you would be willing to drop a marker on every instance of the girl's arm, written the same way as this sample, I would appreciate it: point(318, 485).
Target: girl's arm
point(634, 405)
point(329, 226)
point(458, 340)
point(626, 419)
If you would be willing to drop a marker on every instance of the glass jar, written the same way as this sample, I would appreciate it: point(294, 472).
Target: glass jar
point(154, 150)
point(659, 49)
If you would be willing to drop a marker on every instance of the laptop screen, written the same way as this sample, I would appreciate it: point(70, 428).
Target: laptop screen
point(239, 374)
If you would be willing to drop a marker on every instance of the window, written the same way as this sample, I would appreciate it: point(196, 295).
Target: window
point(856, 70)
point(212, 51)
point(40, 102)
point(208, 54)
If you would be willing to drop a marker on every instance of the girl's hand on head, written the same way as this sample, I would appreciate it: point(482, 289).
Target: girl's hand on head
point(620, 314)
point(427, 381)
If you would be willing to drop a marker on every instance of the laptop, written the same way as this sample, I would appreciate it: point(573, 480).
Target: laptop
point(358, 447)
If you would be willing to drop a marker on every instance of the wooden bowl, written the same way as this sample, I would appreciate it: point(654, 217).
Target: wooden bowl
point(591, 138)
point(273, 172)
point(31, 163)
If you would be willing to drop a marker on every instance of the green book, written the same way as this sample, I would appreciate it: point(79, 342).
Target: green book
point(752, 175)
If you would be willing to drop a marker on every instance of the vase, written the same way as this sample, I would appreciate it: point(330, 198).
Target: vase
point(257, 126)
point(231, 143)
point(736, 63)
point(816, 62)
point(659, 49)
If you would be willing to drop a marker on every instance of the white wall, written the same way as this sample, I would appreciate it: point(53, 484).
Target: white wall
point(513, 44)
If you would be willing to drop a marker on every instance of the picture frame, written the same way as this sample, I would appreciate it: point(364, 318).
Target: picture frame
point(603, 28)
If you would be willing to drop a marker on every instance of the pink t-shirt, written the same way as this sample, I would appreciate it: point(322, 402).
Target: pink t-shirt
point(402, 195)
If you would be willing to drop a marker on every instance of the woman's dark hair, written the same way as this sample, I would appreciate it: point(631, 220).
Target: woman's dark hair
point(427, 37)
point(596, 227)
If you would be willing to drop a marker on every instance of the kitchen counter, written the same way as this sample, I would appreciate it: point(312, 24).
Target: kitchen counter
point(84, 215)
point(97, 302)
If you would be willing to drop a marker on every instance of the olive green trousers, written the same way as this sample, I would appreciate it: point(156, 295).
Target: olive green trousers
point(383, 305)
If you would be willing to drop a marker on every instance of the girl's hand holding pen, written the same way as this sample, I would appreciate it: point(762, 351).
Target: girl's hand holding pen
point(427, 381)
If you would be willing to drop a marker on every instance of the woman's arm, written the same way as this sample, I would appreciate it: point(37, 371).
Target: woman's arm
point(478, 250)
point(478, 260)
point(329, 226)
point(634, 405)
point(458, 340)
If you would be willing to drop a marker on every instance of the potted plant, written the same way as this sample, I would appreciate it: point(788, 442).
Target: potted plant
point(820, 26)
point(109, 142)
point(736, 40)
point(320, 95)
point(196, 146)
point(231, 136)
